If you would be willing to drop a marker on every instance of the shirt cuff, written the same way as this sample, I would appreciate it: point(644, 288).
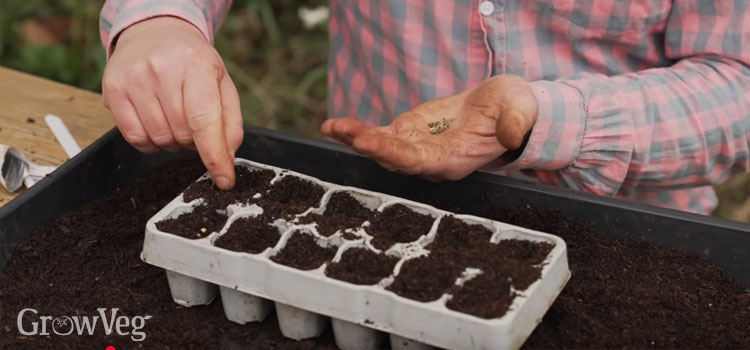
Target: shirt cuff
point(132, 12)
point(555, 139)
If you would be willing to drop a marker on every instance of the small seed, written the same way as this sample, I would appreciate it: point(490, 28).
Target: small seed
point(439, 126)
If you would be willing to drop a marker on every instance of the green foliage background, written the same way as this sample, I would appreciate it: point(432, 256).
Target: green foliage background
point(279, 67)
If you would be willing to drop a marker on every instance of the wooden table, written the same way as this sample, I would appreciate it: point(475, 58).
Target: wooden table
point(25, 100)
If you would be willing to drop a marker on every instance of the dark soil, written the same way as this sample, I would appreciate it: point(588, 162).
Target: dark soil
point(345, 203)
point(302, 252)
point(426, 278)
point(250, 235)
point(460, 245)
point(507, 258)
point(628, 293)
point(521, 273)
point(350, 236)
point(362, 266)
point(296, 193)
point(247, 184)
point(198, 223)
point(623, 293)
point(487, 296)
point(342, 212)
point(518, 249)
point(96, 264)
point(329, 224)
point(453, 233)
point(398, 224)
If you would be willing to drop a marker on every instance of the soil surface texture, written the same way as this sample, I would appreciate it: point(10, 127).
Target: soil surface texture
point(453, 233)
point(487, 296)
point(623, 292)
point(398, 224)
point(250, 235)
point(629, 293)
point(96, 264)
point(247, 184)
point(426, 278)
point(362, 266)
point(198, 223)
point(343, 211)
point(301, 251)
point(295, 193)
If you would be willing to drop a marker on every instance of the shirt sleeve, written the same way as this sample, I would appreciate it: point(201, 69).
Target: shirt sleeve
point(117, 15)
point(681, 126)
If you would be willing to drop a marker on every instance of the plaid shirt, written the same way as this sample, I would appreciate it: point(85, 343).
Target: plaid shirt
point(646, 100)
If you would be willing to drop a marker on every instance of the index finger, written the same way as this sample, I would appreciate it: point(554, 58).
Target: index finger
point(203, 113)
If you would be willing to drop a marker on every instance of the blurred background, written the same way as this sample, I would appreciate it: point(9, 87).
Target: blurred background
point(281, 77)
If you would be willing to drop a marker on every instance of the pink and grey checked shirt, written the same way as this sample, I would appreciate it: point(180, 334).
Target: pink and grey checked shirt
point(646, 100)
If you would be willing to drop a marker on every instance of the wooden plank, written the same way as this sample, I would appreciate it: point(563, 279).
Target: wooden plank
point(25, 100)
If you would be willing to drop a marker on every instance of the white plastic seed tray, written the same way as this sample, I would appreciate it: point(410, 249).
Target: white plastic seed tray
point(251, 285)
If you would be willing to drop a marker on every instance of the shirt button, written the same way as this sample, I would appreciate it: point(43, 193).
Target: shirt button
point(486, 8)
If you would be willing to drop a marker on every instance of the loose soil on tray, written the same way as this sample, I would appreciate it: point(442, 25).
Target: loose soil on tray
point(247, 184)
point(487, 296)
point(518, 249)
point(398, 224)
point(362, 266)
point(296, 193)
point(453, 233)
point(250, 235)
point(198, 223)
point(622, 292)
point(629, 293)
point(343, 211)
point(426, 278)
point(459, 245)
point(302, 252)
point(90, 258)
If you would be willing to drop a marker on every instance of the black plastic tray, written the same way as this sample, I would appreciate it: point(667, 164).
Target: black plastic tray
point(110, 163)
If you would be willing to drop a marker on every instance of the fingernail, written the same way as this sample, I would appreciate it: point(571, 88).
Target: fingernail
point(222, 182)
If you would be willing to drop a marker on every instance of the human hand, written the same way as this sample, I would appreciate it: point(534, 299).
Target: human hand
point(447, 138)
point(167, 88)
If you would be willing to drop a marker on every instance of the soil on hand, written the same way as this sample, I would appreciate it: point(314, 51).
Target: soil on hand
point(247, 184)
point(198, 223)
point(343, 211)
point(398, 224)
point(487, 296)
point(362, 266)
point(302, 252)
point(249, 235)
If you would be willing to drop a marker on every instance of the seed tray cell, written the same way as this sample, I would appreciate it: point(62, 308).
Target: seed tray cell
point(251, 285)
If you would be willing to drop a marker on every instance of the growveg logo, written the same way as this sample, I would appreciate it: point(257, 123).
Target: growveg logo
point(82, 325)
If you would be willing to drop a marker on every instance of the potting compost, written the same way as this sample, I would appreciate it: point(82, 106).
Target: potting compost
point(290, 275)
point(622, 293)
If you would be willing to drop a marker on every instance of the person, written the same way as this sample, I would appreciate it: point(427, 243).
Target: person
point(646, 100)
